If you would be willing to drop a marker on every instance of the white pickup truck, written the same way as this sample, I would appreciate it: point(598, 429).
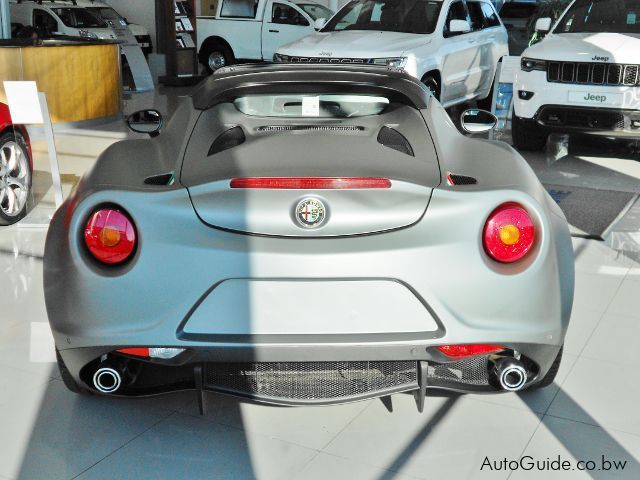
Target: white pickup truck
point(253, 30)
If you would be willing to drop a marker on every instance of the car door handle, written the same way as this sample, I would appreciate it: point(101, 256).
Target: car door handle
point(274, 31)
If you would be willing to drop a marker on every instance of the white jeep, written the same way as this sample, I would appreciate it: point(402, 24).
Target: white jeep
point(582, 77)
point(453, 46)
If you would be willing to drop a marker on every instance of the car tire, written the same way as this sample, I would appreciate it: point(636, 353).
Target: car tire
point(432, 83)
point(551, 374)
point(216, 56)
point(14, 171)
point(67, 378)
point(526, 135)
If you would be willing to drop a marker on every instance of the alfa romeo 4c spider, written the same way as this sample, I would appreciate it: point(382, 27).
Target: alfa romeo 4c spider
point(309, 235)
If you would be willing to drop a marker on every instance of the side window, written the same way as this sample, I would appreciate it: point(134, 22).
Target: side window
point(239, 8)
point(476, 15)
point(457, 11)
point(490, 15)
point(44, 23)
point(287, 15)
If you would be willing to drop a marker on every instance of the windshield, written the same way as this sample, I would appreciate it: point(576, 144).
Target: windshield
point(105, 13)
point(79, 18)
point(613, 16)
point(406, 16)
point(301, 105)
point(518, 10)
point(316, 11)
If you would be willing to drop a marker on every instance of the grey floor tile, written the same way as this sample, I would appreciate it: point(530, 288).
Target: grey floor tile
point(16, 384)
point(600, 392)
point(186, 447)
point(582, 324)
point(615, 333)
point(572, 442)
point(449, 440)
point(311, 427)
point(325, 466)
point(627, 299)
point(595, 292)
point(537, 400)
point(593, 256)
point(55, 434)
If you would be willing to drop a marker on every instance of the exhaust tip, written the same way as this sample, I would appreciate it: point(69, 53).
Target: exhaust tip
point(513, 377)
point(107, 380)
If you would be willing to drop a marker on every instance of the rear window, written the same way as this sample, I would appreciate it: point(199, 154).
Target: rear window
point(518, 10)
point(318, 106)
point(239, 8)
point(79, 18)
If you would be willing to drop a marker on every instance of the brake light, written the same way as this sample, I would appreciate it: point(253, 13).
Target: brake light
point(304, 183)
point(110, 236)
point(456, 351)
point(509, 233)
point(164, 353)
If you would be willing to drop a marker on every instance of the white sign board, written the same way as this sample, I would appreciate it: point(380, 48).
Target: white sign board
point(24, 105)
point(310, 106)
point(510, 65)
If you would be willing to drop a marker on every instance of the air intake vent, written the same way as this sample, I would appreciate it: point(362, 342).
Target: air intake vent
point(393, 139)
point(310, 128)
point(229, 139)
point(161, 179)
point(454, 179)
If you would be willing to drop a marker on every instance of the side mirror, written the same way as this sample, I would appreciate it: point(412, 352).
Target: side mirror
point(459, 26)
point(477, 121)
point(319, 23)
point(543, 25)
point(146, 121)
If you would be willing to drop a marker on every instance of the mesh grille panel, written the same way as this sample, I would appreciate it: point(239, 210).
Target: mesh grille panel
point(593, 73)
point(472, 371)
point(393, 139)
point(582, 118)
point(310, 128)
point(307, 381)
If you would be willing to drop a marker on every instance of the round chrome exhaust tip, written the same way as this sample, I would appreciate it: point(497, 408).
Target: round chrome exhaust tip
point(107, 380)
point(511, 374)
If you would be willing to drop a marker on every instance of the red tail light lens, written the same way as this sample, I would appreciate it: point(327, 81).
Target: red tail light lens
point(509, 233)
point(110, 236)
point(306, 183)
point(136, 351)
point(456, 351)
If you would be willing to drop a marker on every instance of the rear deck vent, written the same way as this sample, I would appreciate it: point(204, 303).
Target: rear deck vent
point(229, 139)
point(454, 179)
point(393, 139)
point(161, 179)
point(310, 128)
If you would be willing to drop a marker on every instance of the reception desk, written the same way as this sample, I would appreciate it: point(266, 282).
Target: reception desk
point(82, 79)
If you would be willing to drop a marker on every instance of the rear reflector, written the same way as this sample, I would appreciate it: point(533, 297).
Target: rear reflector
point(152, 352)
point(456, 351)
point(308, 183)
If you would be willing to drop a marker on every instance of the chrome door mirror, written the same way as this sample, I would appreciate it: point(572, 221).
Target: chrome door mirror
point(477, 121)
point(543, 25)
point(146, 121)
point(319, 23)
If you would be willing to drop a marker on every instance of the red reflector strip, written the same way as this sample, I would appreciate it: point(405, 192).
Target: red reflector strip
point(305, 183)
point(469, 350)
point(138, 352)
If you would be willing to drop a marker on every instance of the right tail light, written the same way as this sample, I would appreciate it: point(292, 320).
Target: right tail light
point(509, 233)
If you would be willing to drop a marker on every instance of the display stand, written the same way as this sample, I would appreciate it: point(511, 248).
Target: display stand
point(179, 18)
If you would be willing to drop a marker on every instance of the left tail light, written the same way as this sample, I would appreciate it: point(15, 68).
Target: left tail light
point(110, 236)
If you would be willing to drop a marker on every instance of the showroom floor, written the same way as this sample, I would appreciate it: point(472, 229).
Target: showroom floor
point(590, 412)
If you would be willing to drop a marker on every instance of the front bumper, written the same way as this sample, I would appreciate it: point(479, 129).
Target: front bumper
point(602, 121)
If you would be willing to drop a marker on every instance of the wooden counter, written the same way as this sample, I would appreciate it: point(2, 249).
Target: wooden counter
point(81, 79)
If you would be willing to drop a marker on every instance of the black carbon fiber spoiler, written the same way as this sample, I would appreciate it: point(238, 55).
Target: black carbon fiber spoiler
point(236, 81)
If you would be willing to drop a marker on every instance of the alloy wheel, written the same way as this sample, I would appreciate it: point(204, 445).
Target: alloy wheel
point(14, 178)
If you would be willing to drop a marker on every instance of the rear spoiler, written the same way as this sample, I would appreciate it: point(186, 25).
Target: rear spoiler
point(237, 81)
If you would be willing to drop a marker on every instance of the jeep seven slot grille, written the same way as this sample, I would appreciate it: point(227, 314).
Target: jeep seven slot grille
point(593, 73)
point(329, 60)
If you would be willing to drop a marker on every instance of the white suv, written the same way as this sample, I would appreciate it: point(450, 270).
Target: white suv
point(453, 46)
point(60, 18)
point(583, 77)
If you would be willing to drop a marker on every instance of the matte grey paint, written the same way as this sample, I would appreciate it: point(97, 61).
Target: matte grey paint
point(180, 259)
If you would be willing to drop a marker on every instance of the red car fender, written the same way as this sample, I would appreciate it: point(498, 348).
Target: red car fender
point(6, 123)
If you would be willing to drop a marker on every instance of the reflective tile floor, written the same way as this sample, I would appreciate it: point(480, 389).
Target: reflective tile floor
point(591, 413)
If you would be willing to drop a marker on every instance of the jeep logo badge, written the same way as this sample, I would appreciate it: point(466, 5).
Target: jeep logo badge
point(597, 58)
point(325, 54)
point(310, 213)
point(590, 97)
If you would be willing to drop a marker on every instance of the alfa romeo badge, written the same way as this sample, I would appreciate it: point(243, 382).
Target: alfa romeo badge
point(310, 213)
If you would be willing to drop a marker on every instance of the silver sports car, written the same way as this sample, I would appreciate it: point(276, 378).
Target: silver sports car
point(309, 235)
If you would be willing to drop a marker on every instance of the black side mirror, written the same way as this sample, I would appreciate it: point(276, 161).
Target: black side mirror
point(146, 121)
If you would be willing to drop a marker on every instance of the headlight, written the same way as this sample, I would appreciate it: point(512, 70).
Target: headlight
point(395, 62)
point(279, 58)
point(530, 64)
point(87, 34)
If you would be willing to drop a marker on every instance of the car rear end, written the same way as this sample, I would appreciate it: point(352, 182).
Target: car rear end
point(306, 252)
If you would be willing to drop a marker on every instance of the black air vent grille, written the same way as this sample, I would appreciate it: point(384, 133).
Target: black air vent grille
point(310, 128)
point(593, 73)
point(393, 139)
point(455, 179)
point(229, 139)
